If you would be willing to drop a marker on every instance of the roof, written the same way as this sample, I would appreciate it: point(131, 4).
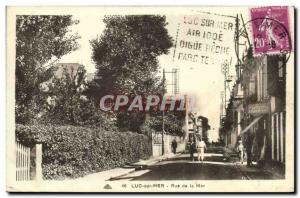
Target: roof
point(90, 76)
point(70, 67)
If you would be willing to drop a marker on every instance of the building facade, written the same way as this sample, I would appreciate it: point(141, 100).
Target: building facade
point(256, 110)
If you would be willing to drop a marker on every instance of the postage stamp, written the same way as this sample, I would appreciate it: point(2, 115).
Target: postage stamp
point(270, 28)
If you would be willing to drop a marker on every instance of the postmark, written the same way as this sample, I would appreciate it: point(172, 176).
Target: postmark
point(250, 35)
point(270, 30)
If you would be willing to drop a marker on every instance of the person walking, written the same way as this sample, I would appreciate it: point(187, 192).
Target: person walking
point(249, 143)
point(201, 146)
point(192, 147)
point(174, 146)
point(240, 149)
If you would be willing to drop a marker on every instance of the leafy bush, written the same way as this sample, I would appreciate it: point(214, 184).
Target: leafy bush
point(70, 151)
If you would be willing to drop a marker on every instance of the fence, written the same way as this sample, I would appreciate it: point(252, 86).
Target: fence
point(25, 170)
point(22, 162)
point(278, 135)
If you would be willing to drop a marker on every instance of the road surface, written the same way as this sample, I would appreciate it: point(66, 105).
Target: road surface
point(214, 167)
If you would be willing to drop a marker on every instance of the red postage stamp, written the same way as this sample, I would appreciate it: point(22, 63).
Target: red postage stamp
point(270, 28)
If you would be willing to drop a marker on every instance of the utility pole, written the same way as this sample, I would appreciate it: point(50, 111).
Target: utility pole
point(163, 117)
point(174, 91)
point(237, 47)
point(225, 77)
point(221, 107)
point(186, 117)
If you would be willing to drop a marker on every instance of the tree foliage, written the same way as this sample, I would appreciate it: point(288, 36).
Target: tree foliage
point(126, 54)
point(126, 60)
point(40, 39)
point(65, 92)
point(67, 104)
point(173, 121)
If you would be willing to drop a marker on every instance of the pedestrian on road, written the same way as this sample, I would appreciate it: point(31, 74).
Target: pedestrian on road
point(192, 147)
point(249, 144)
point(240, 149)
point(200, 148)
point(174, 146)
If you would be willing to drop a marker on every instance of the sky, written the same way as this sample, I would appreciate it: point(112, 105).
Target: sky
point(206, 81)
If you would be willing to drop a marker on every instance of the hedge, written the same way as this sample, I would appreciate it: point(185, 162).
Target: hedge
point(70, 151)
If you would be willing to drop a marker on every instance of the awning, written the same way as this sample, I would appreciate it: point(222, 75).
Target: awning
point(251, 124)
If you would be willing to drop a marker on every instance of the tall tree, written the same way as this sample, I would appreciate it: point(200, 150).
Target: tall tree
point(126, 54)
point(126, 60)
point(40, 39)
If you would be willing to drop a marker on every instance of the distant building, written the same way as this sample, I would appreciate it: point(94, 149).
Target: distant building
point(198, 125)
point(71, 69)
point(232, 128)
point(90, 77)
point(60, 68)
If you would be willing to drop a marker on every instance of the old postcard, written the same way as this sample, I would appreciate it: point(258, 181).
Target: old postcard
point(150, 99)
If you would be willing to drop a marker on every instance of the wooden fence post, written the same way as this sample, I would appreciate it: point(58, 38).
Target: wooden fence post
point(39, 153)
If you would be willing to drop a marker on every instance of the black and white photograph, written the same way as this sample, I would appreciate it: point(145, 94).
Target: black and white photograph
point(150, 99)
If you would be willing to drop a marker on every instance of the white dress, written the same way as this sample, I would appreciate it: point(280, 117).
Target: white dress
point(201, 146)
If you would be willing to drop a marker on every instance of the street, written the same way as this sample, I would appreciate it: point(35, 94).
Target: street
point(214, 167)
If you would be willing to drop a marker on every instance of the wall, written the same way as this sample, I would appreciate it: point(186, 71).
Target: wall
point(157, 146)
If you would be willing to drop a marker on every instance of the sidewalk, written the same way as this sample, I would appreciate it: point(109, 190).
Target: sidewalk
point(154, 160)
point(106, 175)
point(230, 154)
point(268, 171)
point(121, 171)
point(258, 173)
